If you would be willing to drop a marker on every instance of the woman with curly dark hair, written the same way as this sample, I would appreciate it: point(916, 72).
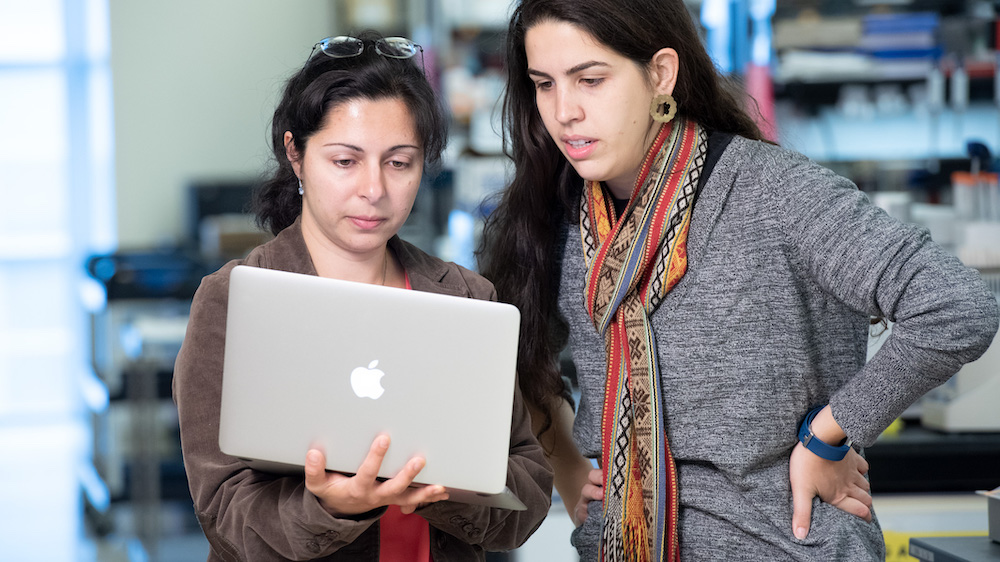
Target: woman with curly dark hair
point(350, 137)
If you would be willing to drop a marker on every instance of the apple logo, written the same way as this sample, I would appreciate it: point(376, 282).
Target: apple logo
point(367, 383)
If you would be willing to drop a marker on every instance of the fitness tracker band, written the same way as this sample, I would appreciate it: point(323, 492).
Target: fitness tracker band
point(817, 445)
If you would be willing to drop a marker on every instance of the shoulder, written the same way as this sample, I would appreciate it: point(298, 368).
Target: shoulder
point(219, 280)
point(432, 274)
point(771, 178)
point(286, 252)
point(770, 164)
point(479, 286)
point(211, 300)
point(762, 160)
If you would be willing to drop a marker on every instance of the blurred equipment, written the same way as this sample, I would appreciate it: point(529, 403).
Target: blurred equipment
point(221, 225)
point(135, 339)
point(970, 401)
point(993, 512)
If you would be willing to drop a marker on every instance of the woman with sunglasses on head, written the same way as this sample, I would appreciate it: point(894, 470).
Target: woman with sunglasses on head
point(715, 292)
point(350, 137)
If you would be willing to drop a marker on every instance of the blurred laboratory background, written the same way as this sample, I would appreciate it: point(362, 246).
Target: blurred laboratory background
point(134, 130)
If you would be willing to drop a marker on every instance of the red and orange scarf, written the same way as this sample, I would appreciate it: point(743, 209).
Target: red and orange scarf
point(632, 263)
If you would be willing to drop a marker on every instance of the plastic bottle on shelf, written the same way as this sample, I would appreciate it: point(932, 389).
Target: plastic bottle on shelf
point(963, 191)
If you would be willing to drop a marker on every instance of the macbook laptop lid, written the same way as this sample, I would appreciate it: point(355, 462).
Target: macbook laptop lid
point(316, 362)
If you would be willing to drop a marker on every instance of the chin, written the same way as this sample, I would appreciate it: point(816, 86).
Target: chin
point(583, 169)
point(589, 175)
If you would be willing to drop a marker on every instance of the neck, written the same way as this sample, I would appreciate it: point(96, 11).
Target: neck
point(620, 190)
point(373, 267)
point(372, 271)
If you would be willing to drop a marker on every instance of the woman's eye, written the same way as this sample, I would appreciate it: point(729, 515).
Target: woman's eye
point(592, 81)
point(345, 163)
point(399, 164)
point(543, 85)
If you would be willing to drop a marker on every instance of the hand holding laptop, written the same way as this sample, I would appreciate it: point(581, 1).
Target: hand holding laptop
point(342, 495)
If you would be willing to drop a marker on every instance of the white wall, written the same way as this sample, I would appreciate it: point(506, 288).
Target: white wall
point(195, 84)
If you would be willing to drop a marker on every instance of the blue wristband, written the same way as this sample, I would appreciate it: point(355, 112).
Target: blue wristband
point(817, 445)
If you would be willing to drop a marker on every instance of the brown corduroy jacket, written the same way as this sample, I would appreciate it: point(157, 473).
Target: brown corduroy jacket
point(251, 515)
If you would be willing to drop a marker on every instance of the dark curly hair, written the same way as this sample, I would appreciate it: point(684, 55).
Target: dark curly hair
point(321, 85)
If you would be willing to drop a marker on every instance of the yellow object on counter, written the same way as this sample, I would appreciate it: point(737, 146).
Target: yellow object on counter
point(894, 428)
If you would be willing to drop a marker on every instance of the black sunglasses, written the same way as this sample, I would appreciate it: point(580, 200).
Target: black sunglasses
point(345, 46)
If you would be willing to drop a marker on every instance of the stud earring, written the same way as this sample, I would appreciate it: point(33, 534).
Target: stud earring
point(301, 191)
point(663, 108)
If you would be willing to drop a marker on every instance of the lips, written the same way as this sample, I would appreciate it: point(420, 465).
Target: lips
point(579, 148)
point(367, 223)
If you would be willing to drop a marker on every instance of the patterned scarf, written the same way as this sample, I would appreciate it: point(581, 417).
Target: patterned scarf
point(631, 265)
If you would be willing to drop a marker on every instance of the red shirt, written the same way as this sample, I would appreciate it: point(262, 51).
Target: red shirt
point(404, 537)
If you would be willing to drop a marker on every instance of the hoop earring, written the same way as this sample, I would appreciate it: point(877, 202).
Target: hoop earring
point(301, 191)
point(668, 105)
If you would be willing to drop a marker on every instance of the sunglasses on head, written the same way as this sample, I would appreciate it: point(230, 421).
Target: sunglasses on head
point(345, 46)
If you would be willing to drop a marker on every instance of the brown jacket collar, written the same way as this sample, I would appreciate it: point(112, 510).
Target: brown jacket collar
point(288, 252)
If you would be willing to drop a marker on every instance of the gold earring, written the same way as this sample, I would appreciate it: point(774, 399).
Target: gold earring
point(663, 108)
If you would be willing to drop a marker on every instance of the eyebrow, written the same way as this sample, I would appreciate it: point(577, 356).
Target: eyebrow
point(359, 149)
point(573, 70)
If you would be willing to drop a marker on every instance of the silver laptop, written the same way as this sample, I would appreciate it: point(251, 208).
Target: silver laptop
point(315, 362)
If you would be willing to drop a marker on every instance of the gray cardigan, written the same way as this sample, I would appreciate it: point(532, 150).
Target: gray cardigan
point(787, 263)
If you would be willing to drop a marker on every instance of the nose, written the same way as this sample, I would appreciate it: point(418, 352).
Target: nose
point(373, 186)
point(567, 107)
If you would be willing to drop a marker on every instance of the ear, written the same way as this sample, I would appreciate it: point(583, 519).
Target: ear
point(664, 66)
point(292, 154)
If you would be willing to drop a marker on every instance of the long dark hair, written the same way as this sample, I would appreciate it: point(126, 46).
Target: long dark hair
point(520, 250)
point(320, 86)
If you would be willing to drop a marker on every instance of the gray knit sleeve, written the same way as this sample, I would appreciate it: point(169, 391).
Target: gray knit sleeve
point(943, 313)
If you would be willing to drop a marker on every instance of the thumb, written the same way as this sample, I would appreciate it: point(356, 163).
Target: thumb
point(315, 467)
point(801, 511)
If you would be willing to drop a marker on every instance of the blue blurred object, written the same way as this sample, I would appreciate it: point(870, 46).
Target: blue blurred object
point(462, 235)
point(979, 154)
point(761, 12)
point(148, 274)
point(715, 17)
